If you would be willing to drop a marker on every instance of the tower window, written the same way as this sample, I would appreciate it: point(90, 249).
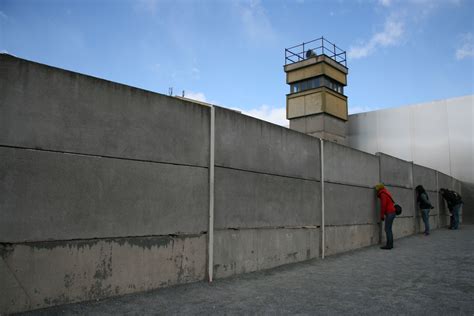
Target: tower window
point(316, 82)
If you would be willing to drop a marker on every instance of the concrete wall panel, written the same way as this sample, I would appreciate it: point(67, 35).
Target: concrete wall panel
point(249, 200)
point(243, 142)
point(425, 177)
point(344, 238)
point(445, 181)
point(394, 171)
point(247, 250)
point(49, 108)
point(402, 227)
point(346, 165)
point(54, 196)
point(405, 198)
point(349, 205)
point(433, 223)
point(55, 273)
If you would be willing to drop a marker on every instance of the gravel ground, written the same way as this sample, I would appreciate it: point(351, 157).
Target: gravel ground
point(431, 275)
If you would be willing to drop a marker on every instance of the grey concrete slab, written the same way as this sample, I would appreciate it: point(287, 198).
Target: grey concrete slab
point(349, 205)
point(445, 181)
point(50, 108)
point(247, 250)
point(249, 200)
point(298, 124)
point(433, 220)
point(405, 198)
point(346, 165)
point(55, 196)
point(53, 273)
point(243, 142)
point(344, 238)
point(368, 282)
point(425, 177)
point(394, 171)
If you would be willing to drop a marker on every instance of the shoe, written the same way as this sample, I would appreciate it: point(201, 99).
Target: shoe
point(427, 234)
point(386, 247)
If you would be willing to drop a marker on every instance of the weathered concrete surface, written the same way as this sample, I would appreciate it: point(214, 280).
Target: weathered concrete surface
point(247, 250)
point(425, 177)
point(402, 227)
point(421, 225)
point(348, 205)
point(50, 108)
point(54, 196)
point(243, 142)
point(445, 181)
point(345, 238)
point(367, 282)
point(405, 198)
point(249, 200)
point(346, 165)
point(51, 273)
point(394, 171)
point(318, 123)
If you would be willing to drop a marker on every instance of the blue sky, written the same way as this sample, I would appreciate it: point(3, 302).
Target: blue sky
point(231, 53)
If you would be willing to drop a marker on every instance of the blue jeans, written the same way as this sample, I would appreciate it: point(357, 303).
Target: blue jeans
point(455, 216)
point(388, 228)
point(425, 214)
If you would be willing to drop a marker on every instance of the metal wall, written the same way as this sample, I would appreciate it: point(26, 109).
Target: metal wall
point(437, 134)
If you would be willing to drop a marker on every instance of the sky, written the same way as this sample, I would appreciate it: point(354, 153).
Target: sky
point(231, 52)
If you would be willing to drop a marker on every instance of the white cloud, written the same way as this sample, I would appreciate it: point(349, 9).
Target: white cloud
point(3, 15)
point(385, 3)
point(198, 96)
point(256, 23)
point(466, 49)
point(390, 36)
point(269, 114)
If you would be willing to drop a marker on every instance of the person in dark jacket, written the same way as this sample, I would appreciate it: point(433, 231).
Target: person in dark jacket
point(387, 212)
point(454, 201)
point(425, 206)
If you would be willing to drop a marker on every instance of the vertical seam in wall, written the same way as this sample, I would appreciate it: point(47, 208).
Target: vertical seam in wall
point(415, 213)
point(323, 240)
point(437, 198)
point(376, 202)
point(211, 194)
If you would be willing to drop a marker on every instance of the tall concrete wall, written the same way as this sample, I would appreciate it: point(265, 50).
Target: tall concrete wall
point(267, 195)
point(105, 190)
point(104, 187)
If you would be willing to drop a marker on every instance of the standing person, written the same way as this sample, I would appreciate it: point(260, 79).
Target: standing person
point(425, 206)
point(387, 213)
point(454, 201)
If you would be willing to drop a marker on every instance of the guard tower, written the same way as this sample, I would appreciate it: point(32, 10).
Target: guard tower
point(316, 105)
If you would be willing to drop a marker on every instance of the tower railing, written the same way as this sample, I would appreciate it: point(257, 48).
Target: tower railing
point(319, 46)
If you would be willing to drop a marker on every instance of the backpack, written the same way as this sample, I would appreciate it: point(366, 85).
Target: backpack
point(453, 197)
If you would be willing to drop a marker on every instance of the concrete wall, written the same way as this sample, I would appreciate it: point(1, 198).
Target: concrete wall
point(105, 190)
point(267, 195)
point(445, 144)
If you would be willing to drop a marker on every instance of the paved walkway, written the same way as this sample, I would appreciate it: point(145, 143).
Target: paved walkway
point(423, 275)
